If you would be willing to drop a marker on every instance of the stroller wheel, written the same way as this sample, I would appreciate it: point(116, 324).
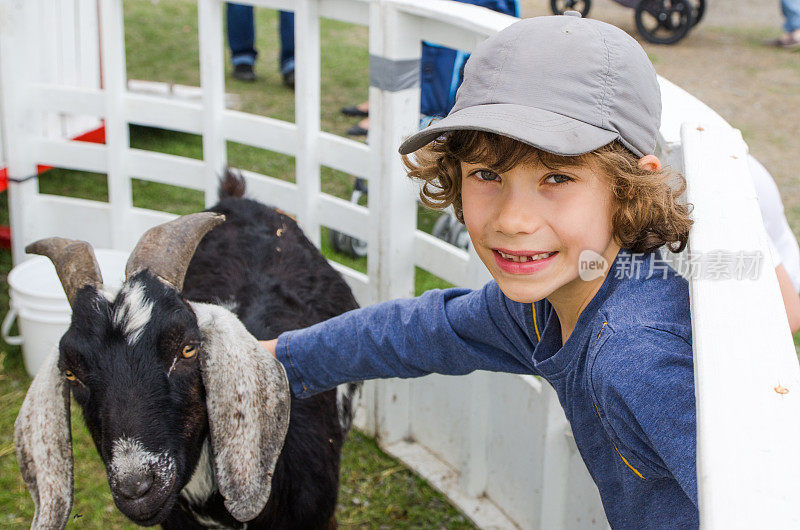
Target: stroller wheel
point(664, 21)
point(353, 247)
point(559, 6)
point(699, 11)
point(441, 228)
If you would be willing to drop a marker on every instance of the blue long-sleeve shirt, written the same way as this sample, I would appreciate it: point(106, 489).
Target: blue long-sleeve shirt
point(624, 376)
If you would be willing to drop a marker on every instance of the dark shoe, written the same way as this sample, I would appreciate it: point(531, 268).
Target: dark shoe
point(287, 72)
point(353, 110)
point(787, 40)
point(357, 130)
point(288, 79)
point(244, 72)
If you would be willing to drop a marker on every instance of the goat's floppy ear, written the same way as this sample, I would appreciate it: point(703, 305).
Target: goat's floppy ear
point(248, 401)
point(43, 441)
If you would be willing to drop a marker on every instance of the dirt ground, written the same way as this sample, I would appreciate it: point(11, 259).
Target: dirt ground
point(724, 63)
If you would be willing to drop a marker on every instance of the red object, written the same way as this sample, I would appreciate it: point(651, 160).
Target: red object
point(95, 136)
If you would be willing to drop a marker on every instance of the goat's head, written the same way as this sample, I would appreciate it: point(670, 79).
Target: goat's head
point(154, 375)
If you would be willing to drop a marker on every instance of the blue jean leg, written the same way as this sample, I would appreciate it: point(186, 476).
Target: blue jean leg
point(241, 34)
point(791, 10)
point(286, 29)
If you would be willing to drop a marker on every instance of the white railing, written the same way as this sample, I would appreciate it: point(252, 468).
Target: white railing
point(497, 445)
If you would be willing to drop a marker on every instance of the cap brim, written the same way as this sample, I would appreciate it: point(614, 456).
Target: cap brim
point(548, 131)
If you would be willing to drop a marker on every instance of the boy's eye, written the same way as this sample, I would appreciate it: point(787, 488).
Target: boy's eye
point(486, 175)
point(557, 178)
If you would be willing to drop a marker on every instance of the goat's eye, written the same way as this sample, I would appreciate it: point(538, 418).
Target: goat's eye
point(69, 375)
point(189, 351)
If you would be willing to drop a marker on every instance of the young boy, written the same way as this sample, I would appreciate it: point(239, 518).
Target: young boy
point(547, 157)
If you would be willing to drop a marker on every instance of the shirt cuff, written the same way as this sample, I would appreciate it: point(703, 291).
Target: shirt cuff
point(296, 384)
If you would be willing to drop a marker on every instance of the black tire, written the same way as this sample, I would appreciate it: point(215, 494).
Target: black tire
point(664, 21)
point(357, 247)
point(699, 11)
point(441, 228)
point(461, 237)
point(335, 239)
point(582, 6)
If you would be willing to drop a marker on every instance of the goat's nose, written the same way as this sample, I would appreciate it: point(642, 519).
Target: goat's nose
point(136, 485)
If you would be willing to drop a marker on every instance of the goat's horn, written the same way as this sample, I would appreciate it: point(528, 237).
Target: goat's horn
point(167, 249)
point(74, 260)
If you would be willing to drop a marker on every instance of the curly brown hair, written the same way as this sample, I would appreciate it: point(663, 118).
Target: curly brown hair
point(649, 211)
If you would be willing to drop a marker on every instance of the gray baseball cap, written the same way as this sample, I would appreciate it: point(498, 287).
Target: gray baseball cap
point(564, 84)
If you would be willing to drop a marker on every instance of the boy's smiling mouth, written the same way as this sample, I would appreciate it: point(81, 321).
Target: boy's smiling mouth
point(522, 261)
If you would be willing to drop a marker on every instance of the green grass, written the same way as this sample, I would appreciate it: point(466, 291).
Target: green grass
point(161, 38)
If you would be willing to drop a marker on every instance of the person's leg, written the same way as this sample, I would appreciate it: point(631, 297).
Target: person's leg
point(286, 28)
point(791, 10)
point(241, 34)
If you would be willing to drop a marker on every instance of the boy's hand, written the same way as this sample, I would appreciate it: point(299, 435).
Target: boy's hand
point(269, 345)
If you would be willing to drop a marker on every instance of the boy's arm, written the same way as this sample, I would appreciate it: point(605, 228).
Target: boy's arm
point(643, 382)
point(454, 331)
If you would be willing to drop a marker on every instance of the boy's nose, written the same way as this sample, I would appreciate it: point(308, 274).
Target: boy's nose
point(517, 215)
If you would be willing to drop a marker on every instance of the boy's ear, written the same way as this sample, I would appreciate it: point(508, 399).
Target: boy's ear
point(650, 163)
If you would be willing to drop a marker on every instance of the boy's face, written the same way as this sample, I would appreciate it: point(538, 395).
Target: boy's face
point(530, 224)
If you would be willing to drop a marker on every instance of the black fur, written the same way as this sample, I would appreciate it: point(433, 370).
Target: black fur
point(259, 263)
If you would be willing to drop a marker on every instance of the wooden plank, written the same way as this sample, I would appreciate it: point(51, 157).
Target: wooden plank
point(343, 154)
point(480, 510)
point(117, 141)
point(167, 169)
point(748, 433)
point(88, 34)
point(260, 131)
point(171, 114)
point(212, 81)
point(343, 216)
point(19, 61)
point(80, 156)
point(352, 11)
point(440, 258)
point(73, 218)
point(307, 111)
point(69, 99)
point(391, 199)
point(272, 191)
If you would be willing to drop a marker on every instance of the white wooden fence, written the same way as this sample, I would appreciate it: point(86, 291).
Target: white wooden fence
point(497, 445)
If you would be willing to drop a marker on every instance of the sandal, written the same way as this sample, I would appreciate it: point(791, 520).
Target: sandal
point(787, 40)
point(357, 130)
point(353, 110)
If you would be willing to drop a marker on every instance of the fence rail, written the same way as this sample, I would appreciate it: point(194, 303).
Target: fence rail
point(498, 445)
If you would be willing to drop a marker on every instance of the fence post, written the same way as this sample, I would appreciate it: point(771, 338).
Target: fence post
point(306, 115)
point(212, 81)
point(555, 465)
point(18, 62)
point(394, 46)
point(474, 469)
point(747, 380)
point(112, 44)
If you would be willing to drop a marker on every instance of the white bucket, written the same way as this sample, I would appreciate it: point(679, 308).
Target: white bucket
point(40, 305)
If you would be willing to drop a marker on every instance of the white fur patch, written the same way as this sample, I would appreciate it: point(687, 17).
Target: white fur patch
point(133, 314)
point(129, 457)
point(202, 484)
point(201, 487)
point(172, 367)
point(345, 404)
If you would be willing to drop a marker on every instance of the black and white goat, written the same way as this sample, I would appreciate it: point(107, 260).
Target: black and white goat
point(191, 417)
